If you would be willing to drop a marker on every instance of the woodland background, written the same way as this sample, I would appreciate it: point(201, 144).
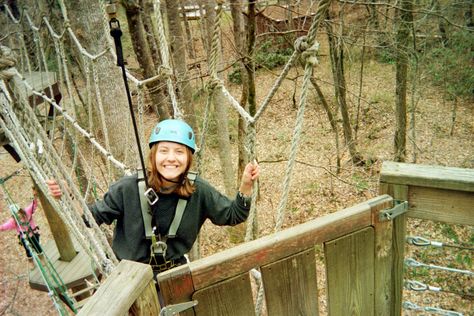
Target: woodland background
point(395, 82)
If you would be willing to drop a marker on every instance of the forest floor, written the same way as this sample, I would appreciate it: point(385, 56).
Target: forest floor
point(316, 188)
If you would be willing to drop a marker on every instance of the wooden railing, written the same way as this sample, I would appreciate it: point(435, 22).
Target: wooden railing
point(357, 270)
point(442, 194)
point(129, 288)
point(363, 256)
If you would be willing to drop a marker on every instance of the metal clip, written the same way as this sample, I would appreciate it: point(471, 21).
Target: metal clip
point(174, 309)
point(390, 213)
point(151, 196)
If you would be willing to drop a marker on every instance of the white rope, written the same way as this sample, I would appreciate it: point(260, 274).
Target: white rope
point(165, 58)
point(11, 124)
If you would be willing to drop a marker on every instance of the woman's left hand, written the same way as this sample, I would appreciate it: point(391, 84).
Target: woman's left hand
point(250, 175)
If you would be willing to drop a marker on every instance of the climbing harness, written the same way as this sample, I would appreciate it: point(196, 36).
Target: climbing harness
point(158, 243)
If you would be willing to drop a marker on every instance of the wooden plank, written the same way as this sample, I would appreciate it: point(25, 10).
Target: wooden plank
point(383, 262)
point(454, 207)
point(350, 274)
point(291, 285)
point(244, 257)
point(176, 286)
point(57, 226)
point(232, 297)
point(399, 192)
point(146, 304)
point(121, 289)
point(428, 176)
point(72, 273)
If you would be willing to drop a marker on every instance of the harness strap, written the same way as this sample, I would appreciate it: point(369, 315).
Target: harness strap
point(180, 210)
point(145, 207)
point(146, 210)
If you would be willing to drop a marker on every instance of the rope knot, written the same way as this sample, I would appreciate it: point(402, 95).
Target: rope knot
point(308, 51)
point(165, 72)
point(67, 24)
point(7, 61)
point(212, 84)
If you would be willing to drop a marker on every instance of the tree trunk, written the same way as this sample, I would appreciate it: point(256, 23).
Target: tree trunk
point(250, 76)
point(332, 120)
point(337, 64)
point(239, 39)
point(178, 54)
point(94, 38)
point(405, 18)
point(189, 35)
point(150, 30)
point(144, 56)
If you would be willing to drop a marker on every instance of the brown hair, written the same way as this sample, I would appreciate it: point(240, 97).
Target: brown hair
point(184, 189)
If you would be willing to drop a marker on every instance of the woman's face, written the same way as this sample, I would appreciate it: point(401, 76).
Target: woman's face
point(171, 160)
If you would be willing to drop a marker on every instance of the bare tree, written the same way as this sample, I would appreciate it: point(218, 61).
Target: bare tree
point(404, 17)
point(337, 64)
point(178, 54)
point(239, 40)
point(143, 53)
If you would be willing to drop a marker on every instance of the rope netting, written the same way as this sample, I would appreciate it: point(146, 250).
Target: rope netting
point(89, 135)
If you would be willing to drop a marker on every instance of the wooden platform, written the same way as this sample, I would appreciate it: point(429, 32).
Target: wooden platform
point(72, 273)
point(40, 81)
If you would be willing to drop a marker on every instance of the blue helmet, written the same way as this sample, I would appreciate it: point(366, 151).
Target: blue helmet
point(175, 131)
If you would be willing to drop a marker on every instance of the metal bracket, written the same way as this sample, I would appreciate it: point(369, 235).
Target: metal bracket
point(174, 309)
point(390, 213)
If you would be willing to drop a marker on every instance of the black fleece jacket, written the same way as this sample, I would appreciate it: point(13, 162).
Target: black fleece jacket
point(122, 203)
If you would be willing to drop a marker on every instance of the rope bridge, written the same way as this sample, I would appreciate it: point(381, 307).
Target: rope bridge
point(84, 147)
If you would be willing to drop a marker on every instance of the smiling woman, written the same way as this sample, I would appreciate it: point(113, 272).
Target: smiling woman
point(184, 202)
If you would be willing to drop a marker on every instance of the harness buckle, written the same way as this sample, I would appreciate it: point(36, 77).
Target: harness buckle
point(151, 196)
point(159, 247)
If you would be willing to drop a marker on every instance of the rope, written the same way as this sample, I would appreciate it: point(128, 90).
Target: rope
point(9, 123)
point(50, 276)
point(165, 58)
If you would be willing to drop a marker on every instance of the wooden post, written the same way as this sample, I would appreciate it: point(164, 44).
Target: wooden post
point(58, 228)
point(383, 296)
point(129, 287)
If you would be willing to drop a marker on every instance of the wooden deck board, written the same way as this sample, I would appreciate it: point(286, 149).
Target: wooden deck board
point(72, 273)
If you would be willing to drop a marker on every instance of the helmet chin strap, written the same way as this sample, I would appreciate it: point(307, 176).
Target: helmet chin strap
point(169, 180)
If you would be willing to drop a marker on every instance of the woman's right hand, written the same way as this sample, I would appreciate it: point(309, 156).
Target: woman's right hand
point(54, 189)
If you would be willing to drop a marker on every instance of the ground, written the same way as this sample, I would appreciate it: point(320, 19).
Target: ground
point(316, 188)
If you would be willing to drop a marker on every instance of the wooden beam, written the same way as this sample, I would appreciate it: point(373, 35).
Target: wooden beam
point(129, 282)
point(383, 264)
point(399, 192)
point(58, 227)
point(427, 176)
point(176, 286)
point(234, 261)
point(454, 207)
